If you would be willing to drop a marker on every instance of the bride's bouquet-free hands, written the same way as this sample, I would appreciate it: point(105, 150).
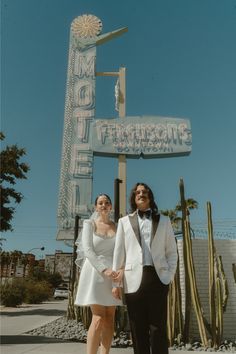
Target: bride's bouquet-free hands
point(115, 276)
point(118, 276)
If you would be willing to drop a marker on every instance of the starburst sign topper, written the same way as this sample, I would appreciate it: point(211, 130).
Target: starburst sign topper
point(86, 26)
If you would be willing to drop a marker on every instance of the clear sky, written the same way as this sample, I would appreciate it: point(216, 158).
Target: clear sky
point(180, 59)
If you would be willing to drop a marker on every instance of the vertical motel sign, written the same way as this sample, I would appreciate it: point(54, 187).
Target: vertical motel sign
point(84, 136)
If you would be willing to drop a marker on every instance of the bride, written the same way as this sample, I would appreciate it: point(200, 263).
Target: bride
point(95, 282)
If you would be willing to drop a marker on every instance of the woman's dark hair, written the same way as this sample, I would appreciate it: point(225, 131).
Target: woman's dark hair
point(133, 205)
point(100, 195)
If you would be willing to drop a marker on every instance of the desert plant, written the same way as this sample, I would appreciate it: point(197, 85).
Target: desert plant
point(37, 292)
point(12, 294)
point(218, 287)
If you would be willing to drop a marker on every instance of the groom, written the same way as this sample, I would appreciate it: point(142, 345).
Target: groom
point(146, 249)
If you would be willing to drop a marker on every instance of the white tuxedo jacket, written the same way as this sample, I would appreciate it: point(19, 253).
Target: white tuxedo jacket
point(128, 252)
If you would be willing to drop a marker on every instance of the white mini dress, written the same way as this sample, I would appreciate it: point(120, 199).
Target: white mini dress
point(94, 287)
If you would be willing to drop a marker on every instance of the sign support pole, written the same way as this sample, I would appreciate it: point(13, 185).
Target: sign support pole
point(122, 158)
point(122, 113)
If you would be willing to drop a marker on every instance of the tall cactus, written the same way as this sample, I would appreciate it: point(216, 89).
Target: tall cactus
point(219, 317)
point(171, 311)
point(193, 287)
point(234, 271)
point(187, 283)
point(175, 317)
point(85, 315)
point(211, 265)
point(71, 309)
point(121, 319)
point(218, 288)
point(179, 315)
point(224, 283)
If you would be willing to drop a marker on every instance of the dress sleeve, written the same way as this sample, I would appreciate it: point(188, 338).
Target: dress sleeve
point(97, 262)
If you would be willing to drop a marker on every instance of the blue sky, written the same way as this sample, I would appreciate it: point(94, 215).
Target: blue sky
point(180, 59)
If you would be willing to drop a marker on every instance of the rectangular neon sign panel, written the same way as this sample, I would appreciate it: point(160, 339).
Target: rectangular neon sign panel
point(146, 136)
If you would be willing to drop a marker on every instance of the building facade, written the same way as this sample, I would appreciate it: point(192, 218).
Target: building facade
point(60, 262)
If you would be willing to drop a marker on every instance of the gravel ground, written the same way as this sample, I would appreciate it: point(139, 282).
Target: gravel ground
point(75, 331)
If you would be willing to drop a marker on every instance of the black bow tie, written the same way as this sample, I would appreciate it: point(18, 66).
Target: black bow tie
point(146, 213)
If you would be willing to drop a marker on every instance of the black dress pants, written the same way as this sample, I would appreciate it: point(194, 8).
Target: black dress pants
point(147, 309)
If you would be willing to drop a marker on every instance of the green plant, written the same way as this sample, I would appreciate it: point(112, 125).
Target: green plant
point(12, 169)
point(24, 290)
point(37, 292)
point(218, 286)
point(121, 319)
point(193, 287)
point(12, 294)
point(175, 318)
point(38, 274)
point(54, 279)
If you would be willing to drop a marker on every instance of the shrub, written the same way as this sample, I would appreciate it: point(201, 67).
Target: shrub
point(24, 290)
point(54, 279)
point(12, 294)
point(37, 292)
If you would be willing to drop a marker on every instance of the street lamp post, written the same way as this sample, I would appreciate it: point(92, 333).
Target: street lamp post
point(36, 248)
point(29, 258)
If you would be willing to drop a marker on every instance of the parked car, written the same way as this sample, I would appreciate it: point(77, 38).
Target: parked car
point(61, 293)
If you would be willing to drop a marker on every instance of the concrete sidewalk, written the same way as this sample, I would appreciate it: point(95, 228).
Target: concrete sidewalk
point(37, 345)
point(23, 344)
point(16, 322)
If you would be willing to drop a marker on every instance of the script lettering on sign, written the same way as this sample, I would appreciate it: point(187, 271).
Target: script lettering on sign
point(147, 136)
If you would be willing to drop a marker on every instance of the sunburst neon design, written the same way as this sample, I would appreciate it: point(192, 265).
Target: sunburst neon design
point(86, 26)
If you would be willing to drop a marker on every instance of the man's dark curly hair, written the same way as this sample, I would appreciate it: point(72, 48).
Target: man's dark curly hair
point(133, 205)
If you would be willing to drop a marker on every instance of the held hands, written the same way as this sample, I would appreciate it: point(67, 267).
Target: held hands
point(108, 272)
point(118, 276)
point(115, 276)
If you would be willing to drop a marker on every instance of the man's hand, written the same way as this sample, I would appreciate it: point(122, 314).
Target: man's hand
point(116, 292)
point(110, 273)
point(119, 276)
